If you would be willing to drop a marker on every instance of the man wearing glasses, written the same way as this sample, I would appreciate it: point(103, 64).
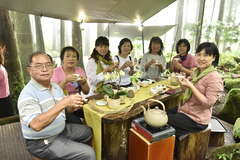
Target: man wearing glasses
point(42, 107)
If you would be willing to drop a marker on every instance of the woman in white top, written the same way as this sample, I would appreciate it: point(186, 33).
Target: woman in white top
point(99, 62)
point(153, 62)
point(125, 61)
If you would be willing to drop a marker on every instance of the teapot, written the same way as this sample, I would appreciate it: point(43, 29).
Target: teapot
point(155, 117)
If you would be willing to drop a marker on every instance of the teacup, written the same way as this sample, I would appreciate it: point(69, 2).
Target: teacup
point(177, 59)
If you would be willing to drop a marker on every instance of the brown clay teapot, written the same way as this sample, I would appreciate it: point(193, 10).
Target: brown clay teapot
point(155, 117)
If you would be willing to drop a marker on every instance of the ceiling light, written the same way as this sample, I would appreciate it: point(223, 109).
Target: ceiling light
point(81, 16)
point(138, 22)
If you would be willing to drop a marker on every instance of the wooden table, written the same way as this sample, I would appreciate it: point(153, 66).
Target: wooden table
point(114, 127)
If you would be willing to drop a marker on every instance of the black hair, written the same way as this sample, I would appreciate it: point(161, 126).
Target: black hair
point(211, 50)
point(101, 41)
point(2, 59)
point(156, 40)
point(185, 42)
point(68, 48)
point(124, 40)
point(36, 54)
point(2, 44)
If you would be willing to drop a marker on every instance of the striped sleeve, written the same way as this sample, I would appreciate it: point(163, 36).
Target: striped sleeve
point(28, 108)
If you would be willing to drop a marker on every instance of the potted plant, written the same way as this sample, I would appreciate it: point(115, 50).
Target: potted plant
point(112, 96)
point(228, 152)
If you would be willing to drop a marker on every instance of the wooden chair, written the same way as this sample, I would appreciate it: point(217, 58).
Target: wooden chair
point(193, 146)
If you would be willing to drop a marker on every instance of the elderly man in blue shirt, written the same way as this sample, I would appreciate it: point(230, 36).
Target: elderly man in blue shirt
point(42, 107)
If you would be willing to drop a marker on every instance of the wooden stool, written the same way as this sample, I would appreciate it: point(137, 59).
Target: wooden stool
point(193, 146)
point(216, 139)
point(217, 133)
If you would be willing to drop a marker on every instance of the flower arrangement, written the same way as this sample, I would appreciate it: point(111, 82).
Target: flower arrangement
point(114, 76)
point(108, 89)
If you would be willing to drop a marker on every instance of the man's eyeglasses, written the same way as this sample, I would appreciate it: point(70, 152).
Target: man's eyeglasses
point(41, 66)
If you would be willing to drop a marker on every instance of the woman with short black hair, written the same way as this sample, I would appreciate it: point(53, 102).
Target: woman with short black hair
point(201, 93)
point(124, 61)
point(70, 77)
point(183, 62)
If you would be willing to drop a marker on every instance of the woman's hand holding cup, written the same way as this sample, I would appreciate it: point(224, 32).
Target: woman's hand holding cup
point(71, 77)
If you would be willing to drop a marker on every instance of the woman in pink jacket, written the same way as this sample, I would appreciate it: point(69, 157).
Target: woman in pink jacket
point(71, 78)
point(201, 92)
point(5, 105)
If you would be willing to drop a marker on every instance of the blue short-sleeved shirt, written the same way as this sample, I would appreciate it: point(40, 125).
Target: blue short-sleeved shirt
point(34, 100)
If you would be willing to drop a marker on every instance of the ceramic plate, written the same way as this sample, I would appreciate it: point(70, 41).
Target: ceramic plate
point(101, 103)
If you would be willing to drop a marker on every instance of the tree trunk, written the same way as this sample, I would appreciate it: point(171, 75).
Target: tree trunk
point(24, 40)
point(214, 4)
point(77, 41)
point(235, 7)
point(179, 22)
point(185, 19)
point(12, 60)
point(39, 34)
point(199, 22)
point(220, 19)
point(62, 34)
point(230, 10)
point(229, 18)
point(55, 42)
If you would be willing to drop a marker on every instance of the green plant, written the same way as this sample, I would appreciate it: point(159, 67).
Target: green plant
point(229, 156)
point(229, 31)
point(226, 152)
point(15, 89)
point(224, 156)
point(229, 62)
point(135, 77)
point(236, 130)
point(107, 89)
